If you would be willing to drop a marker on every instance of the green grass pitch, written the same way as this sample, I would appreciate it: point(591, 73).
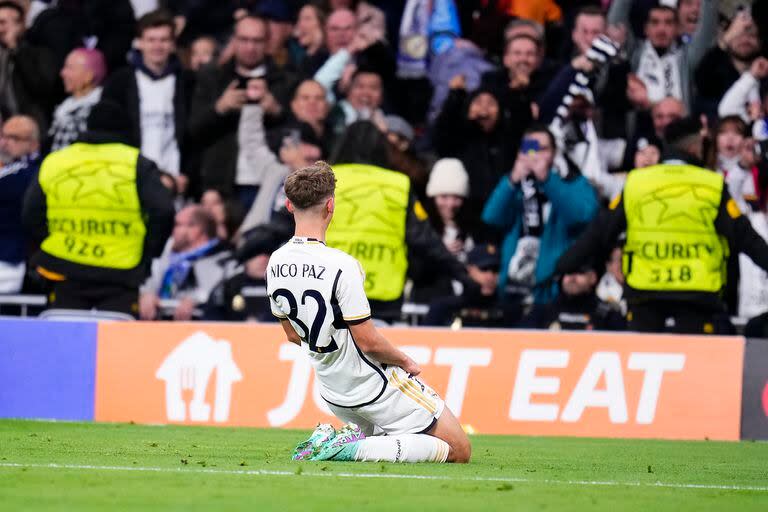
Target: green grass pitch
point(85, 466)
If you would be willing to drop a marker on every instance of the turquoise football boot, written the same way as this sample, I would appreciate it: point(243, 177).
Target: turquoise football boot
point(343, 446)
point(312, 446)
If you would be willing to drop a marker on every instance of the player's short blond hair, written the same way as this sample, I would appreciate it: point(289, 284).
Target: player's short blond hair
point(310, 186)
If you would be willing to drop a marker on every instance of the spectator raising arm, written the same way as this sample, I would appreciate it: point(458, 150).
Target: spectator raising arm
point(745, 91)
point(705, 36)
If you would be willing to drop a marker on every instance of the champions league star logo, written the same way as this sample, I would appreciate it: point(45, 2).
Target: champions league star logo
point(88, 180)
point(384, 219)
point(699, 204)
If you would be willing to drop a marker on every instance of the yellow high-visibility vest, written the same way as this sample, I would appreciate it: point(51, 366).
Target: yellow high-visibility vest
point(93, 209)
point(369, 224)
point(672, 244)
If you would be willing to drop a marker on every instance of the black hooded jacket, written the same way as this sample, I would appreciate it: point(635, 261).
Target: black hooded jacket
point(486, 156)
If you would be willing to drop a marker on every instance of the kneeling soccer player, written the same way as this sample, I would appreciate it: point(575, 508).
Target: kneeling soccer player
point(318, 295)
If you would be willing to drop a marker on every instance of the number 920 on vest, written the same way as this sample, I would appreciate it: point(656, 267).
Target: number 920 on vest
point(93, 209)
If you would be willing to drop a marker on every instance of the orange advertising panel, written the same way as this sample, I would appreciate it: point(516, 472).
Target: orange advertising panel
point(497, 382)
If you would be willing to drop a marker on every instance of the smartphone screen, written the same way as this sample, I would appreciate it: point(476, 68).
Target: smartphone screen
point(529, 146)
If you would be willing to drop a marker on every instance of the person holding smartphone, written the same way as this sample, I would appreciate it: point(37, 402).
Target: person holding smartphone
point(220, 95)
point(542, 211)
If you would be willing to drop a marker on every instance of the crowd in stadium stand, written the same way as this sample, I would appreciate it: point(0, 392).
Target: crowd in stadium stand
point(515, 122)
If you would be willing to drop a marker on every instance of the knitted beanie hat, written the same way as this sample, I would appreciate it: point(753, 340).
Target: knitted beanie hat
point(448, 177)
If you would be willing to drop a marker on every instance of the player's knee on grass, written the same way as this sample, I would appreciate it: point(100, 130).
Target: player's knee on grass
point(449, 430)
point(461, 449)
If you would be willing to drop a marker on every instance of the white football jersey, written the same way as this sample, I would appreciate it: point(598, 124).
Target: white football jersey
point(320, 291)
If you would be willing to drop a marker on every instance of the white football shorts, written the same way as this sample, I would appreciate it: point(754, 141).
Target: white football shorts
point(407, 406)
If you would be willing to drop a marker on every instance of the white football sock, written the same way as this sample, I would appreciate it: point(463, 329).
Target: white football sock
point(402, 448)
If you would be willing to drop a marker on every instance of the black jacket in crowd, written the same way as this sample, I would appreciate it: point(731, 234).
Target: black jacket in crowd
point(122, 88)
point(486, 156)
point(598, 240)
point(157, 207)
point(714, 76)
point(216, 134)
point(34, 77)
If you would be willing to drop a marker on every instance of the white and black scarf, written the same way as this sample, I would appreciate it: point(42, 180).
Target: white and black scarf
point(70, 120)
point(660, 74)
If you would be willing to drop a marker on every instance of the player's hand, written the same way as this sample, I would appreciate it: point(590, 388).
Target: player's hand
point(759, 68)
point(411, 367)
point(232, 99)
point(148, 304)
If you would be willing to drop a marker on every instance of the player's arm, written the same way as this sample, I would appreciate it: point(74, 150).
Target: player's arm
point(290, 332)
point(274, 307)
point(349, 291)
point(372, 343)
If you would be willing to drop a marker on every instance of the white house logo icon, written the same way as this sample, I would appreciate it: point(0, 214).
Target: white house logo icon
point(187, 371)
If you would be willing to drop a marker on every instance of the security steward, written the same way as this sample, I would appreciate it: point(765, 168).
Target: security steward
point(681, 226)
point(379, 221)
point(100, 214)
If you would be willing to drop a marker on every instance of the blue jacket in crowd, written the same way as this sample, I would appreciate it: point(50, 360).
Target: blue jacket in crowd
point(14, 180)
point(574, 204)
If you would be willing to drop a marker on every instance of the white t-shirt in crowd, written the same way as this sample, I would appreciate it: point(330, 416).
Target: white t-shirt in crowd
point(158, 126)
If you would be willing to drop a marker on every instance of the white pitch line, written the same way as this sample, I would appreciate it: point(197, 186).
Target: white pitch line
point(267, 472)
